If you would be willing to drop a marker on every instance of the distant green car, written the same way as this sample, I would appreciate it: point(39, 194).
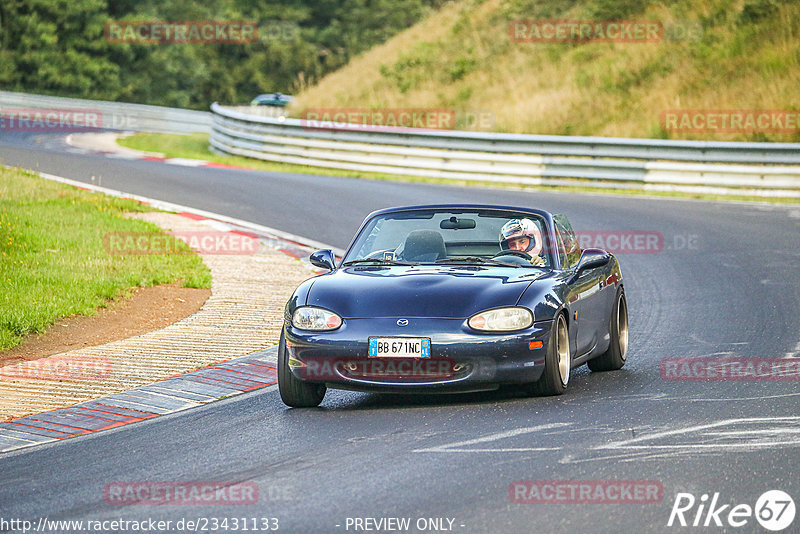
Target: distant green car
point(272, 99)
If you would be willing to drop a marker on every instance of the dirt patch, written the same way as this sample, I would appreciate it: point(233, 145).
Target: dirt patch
point(149, 308)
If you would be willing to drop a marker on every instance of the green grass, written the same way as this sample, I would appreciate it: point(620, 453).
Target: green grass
point(196, 146)
point(53, 262)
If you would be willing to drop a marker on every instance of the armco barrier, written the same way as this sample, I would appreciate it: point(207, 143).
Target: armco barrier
point(113, 115)
point(761, 169)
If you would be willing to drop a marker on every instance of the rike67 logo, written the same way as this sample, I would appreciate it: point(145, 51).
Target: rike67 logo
point(774, 510)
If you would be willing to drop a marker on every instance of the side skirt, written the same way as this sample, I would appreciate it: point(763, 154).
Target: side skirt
point(583, 358)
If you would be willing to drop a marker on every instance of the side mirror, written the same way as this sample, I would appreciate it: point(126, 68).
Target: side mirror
point(323, 259)
point(591, 258)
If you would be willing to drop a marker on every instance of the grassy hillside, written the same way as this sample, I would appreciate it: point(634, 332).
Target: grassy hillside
point(737, 54)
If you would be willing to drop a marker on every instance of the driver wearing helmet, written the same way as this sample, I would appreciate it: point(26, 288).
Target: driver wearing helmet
point(524, 237)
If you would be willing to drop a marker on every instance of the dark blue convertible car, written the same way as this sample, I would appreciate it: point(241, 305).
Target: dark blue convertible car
point(453, 298)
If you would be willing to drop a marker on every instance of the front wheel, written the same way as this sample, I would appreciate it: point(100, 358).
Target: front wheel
point(558, 361)
point(614, 358)
point(294, 392)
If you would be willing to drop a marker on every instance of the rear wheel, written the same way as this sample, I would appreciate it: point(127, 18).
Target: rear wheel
point(558, 361)
point(614, 358)
point(294, 392)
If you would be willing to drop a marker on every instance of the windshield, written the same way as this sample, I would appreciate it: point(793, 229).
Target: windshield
point(484, 237)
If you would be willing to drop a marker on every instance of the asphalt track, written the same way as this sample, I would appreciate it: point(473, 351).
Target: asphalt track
point(727, 283)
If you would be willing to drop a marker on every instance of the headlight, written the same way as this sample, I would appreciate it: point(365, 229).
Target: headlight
point(317, 319)
point(502, 319)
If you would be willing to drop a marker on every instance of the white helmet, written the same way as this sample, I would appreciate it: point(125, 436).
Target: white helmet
point(516, 228)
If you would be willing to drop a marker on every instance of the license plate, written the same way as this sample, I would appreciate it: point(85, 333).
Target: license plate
point(399, 347)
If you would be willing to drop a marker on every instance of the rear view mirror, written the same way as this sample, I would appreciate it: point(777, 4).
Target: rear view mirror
point(454, 223)
point(323, 259)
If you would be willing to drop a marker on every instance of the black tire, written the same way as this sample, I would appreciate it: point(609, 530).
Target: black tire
point(294, 392)
point(614, 358)
point(558, 361)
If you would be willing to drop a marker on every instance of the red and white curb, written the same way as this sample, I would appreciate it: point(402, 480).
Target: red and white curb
point(181, 392)
point(105, 144)
point(185, 162)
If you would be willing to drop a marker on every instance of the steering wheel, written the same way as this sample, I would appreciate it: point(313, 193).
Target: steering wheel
point(519, 253)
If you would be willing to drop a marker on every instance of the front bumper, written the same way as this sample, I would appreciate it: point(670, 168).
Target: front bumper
point(461, 359)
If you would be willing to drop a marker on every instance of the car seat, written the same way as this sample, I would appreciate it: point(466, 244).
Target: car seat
point(424, 246)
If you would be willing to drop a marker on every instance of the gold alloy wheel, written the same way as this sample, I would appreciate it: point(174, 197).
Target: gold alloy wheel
point(622, 326)
point(562, 349)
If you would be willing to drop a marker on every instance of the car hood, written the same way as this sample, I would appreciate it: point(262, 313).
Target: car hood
point(419, 291)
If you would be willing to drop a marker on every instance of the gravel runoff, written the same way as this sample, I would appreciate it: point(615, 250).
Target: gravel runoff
point(243, 315)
